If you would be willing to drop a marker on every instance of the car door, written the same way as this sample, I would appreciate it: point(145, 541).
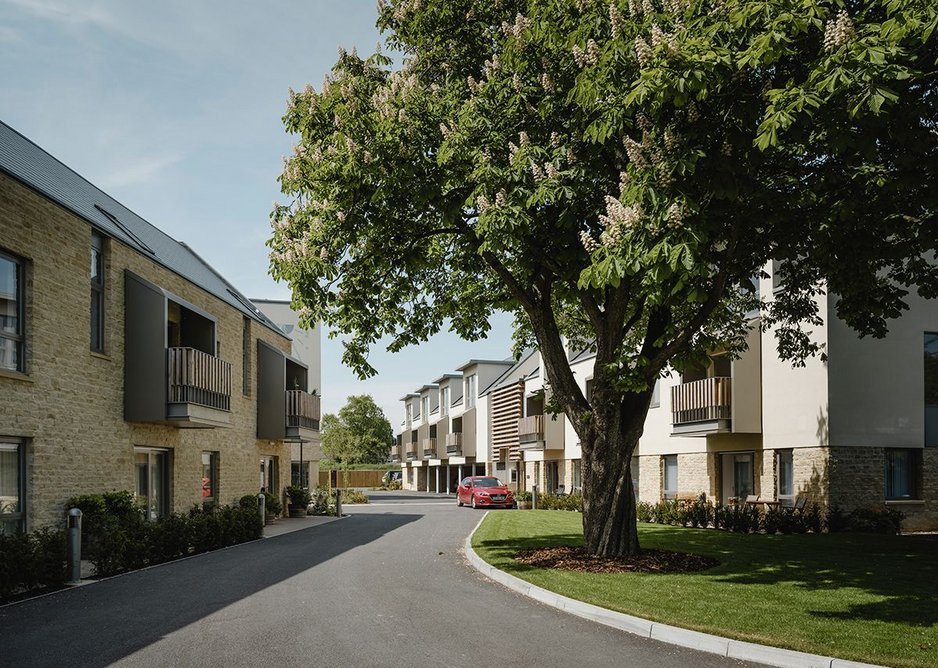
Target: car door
point(465, 490)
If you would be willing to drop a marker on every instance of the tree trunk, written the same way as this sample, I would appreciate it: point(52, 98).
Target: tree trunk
point(609, 523)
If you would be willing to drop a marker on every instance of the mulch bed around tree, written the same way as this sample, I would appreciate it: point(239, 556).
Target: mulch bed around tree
point(647, 561)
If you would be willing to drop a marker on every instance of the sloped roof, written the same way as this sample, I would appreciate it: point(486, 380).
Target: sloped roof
point(28, 163)
point(510, 375)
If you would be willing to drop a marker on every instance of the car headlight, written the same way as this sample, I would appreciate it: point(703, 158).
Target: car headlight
point(483, 493)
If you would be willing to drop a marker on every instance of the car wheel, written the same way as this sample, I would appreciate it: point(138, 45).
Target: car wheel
point(458, 501)
point(474, 506)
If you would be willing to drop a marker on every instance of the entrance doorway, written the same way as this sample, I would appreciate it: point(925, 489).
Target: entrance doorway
point(269, 482)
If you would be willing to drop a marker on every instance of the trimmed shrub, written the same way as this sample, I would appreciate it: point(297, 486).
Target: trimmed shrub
point(32, 561)
point(323, 504)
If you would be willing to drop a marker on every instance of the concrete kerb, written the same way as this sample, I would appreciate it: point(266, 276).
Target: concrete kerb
point(704, 642)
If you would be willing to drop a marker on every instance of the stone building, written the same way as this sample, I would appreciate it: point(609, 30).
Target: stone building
point(126, 362)
point(858, 428)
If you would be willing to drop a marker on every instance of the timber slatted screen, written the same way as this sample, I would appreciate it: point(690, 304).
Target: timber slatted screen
point(506, 409)
point(198, 378)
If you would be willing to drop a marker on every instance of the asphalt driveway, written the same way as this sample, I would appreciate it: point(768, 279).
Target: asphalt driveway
point(385, 586)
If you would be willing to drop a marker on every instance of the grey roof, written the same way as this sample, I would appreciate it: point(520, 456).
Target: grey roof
point(409, 395)
point(508, 362)
point(28, 163)
point(511, 375)
point(583, 355)
point(447, 376)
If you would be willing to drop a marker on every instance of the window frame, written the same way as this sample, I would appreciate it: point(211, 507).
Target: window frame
point(19, 337)
point(914, 475)
point(668, 494)
point(18, 517)
point(470, 391)
point(212, 500)
point(786, 499)
point(444, 401)
point(97, 319)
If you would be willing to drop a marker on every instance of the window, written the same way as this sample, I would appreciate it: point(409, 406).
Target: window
point(299, 476)
point(577, 478)
point(656, 395)
point(12, 484)
point(589, 389)
point(209, 479)
point(902, 473)
point(931, 388)
point(444, 401)
point(786, 485)
point(470, 391)
point(779, 274)
point(11, 313)
point(97, 292)
point(151, 473)
point(670, 476)
point(246, 356)
point(425, 408)
point(410, 413)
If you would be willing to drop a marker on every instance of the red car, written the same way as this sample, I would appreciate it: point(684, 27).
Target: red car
point(484, 492)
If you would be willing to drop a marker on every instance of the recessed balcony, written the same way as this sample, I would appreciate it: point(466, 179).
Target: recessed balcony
point(429, 448)
point(454, 444)
point(396, 454)
point(199, 391)
point(531, 432)
point(411, 452)
point(302, 415)
point(702, 407)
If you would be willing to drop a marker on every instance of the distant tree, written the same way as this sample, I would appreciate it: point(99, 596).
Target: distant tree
point(614, 173)
point(359, 434)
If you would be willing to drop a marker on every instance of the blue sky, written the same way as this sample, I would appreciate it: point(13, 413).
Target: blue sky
point(174, 109)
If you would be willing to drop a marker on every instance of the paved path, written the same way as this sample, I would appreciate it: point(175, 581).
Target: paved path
point(385, 586)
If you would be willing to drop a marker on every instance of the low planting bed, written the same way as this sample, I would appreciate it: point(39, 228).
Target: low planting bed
point(858, 596)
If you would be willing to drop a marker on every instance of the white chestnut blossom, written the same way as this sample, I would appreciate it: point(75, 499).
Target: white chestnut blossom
point(643, 52)
point(615, 19)
point(589, 243)
point(838, 31)
point(547, 83)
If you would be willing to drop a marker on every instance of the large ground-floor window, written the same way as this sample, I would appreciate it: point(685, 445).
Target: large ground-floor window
point(269, 481)
point(151, 473)
point(12, 486)
point(902, 473)
point(299, 475)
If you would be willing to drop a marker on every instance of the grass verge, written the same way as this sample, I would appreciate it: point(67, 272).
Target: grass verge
point(862, 597)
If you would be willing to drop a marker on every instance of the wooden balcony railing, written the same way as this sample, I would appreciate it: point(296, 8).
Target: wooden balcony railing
point(302, 409)
point(531, 428)
point(198, 378)
point(429, 447)
point(395, 453)
point(454, 443)
point(411, 450)
point(702, 400)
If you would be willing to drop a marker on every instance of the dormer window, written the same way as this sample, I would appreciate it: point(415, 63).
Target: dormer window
point(470, 391)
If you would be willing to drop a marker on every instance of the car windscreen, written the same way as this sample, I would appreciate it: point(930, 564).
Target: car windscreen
point(487, 482)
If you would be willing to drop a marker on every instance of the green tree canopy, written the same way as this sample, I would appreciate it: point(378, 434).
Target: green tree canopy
point(614, 174)
point(359, 434)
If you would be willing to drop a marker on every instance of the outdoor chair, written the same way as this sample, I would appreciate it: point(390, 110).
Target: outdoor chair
point(800, 503)
point(752, 499)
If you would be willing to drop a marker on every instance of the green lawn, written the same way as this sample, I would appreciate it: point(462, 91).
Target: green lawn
point(853, 596)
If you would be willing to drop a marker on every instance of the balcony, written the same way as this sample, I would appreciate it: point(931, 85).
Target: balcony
point(396, 454)
point(302, 415)
point(531, 432)
point(199, 388)
point(702, 407)
point(454, 444)
point(429, 448)
point(411, 452)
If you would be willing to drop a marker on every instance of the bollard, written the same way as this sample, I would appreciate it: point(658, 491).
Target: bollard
point(262, 508)
point(338, 502)
point(534, 497)
point(74, 547)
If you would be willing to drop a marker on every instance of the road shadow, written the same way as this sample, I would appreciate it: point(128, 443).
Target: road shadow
point(99, 624)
